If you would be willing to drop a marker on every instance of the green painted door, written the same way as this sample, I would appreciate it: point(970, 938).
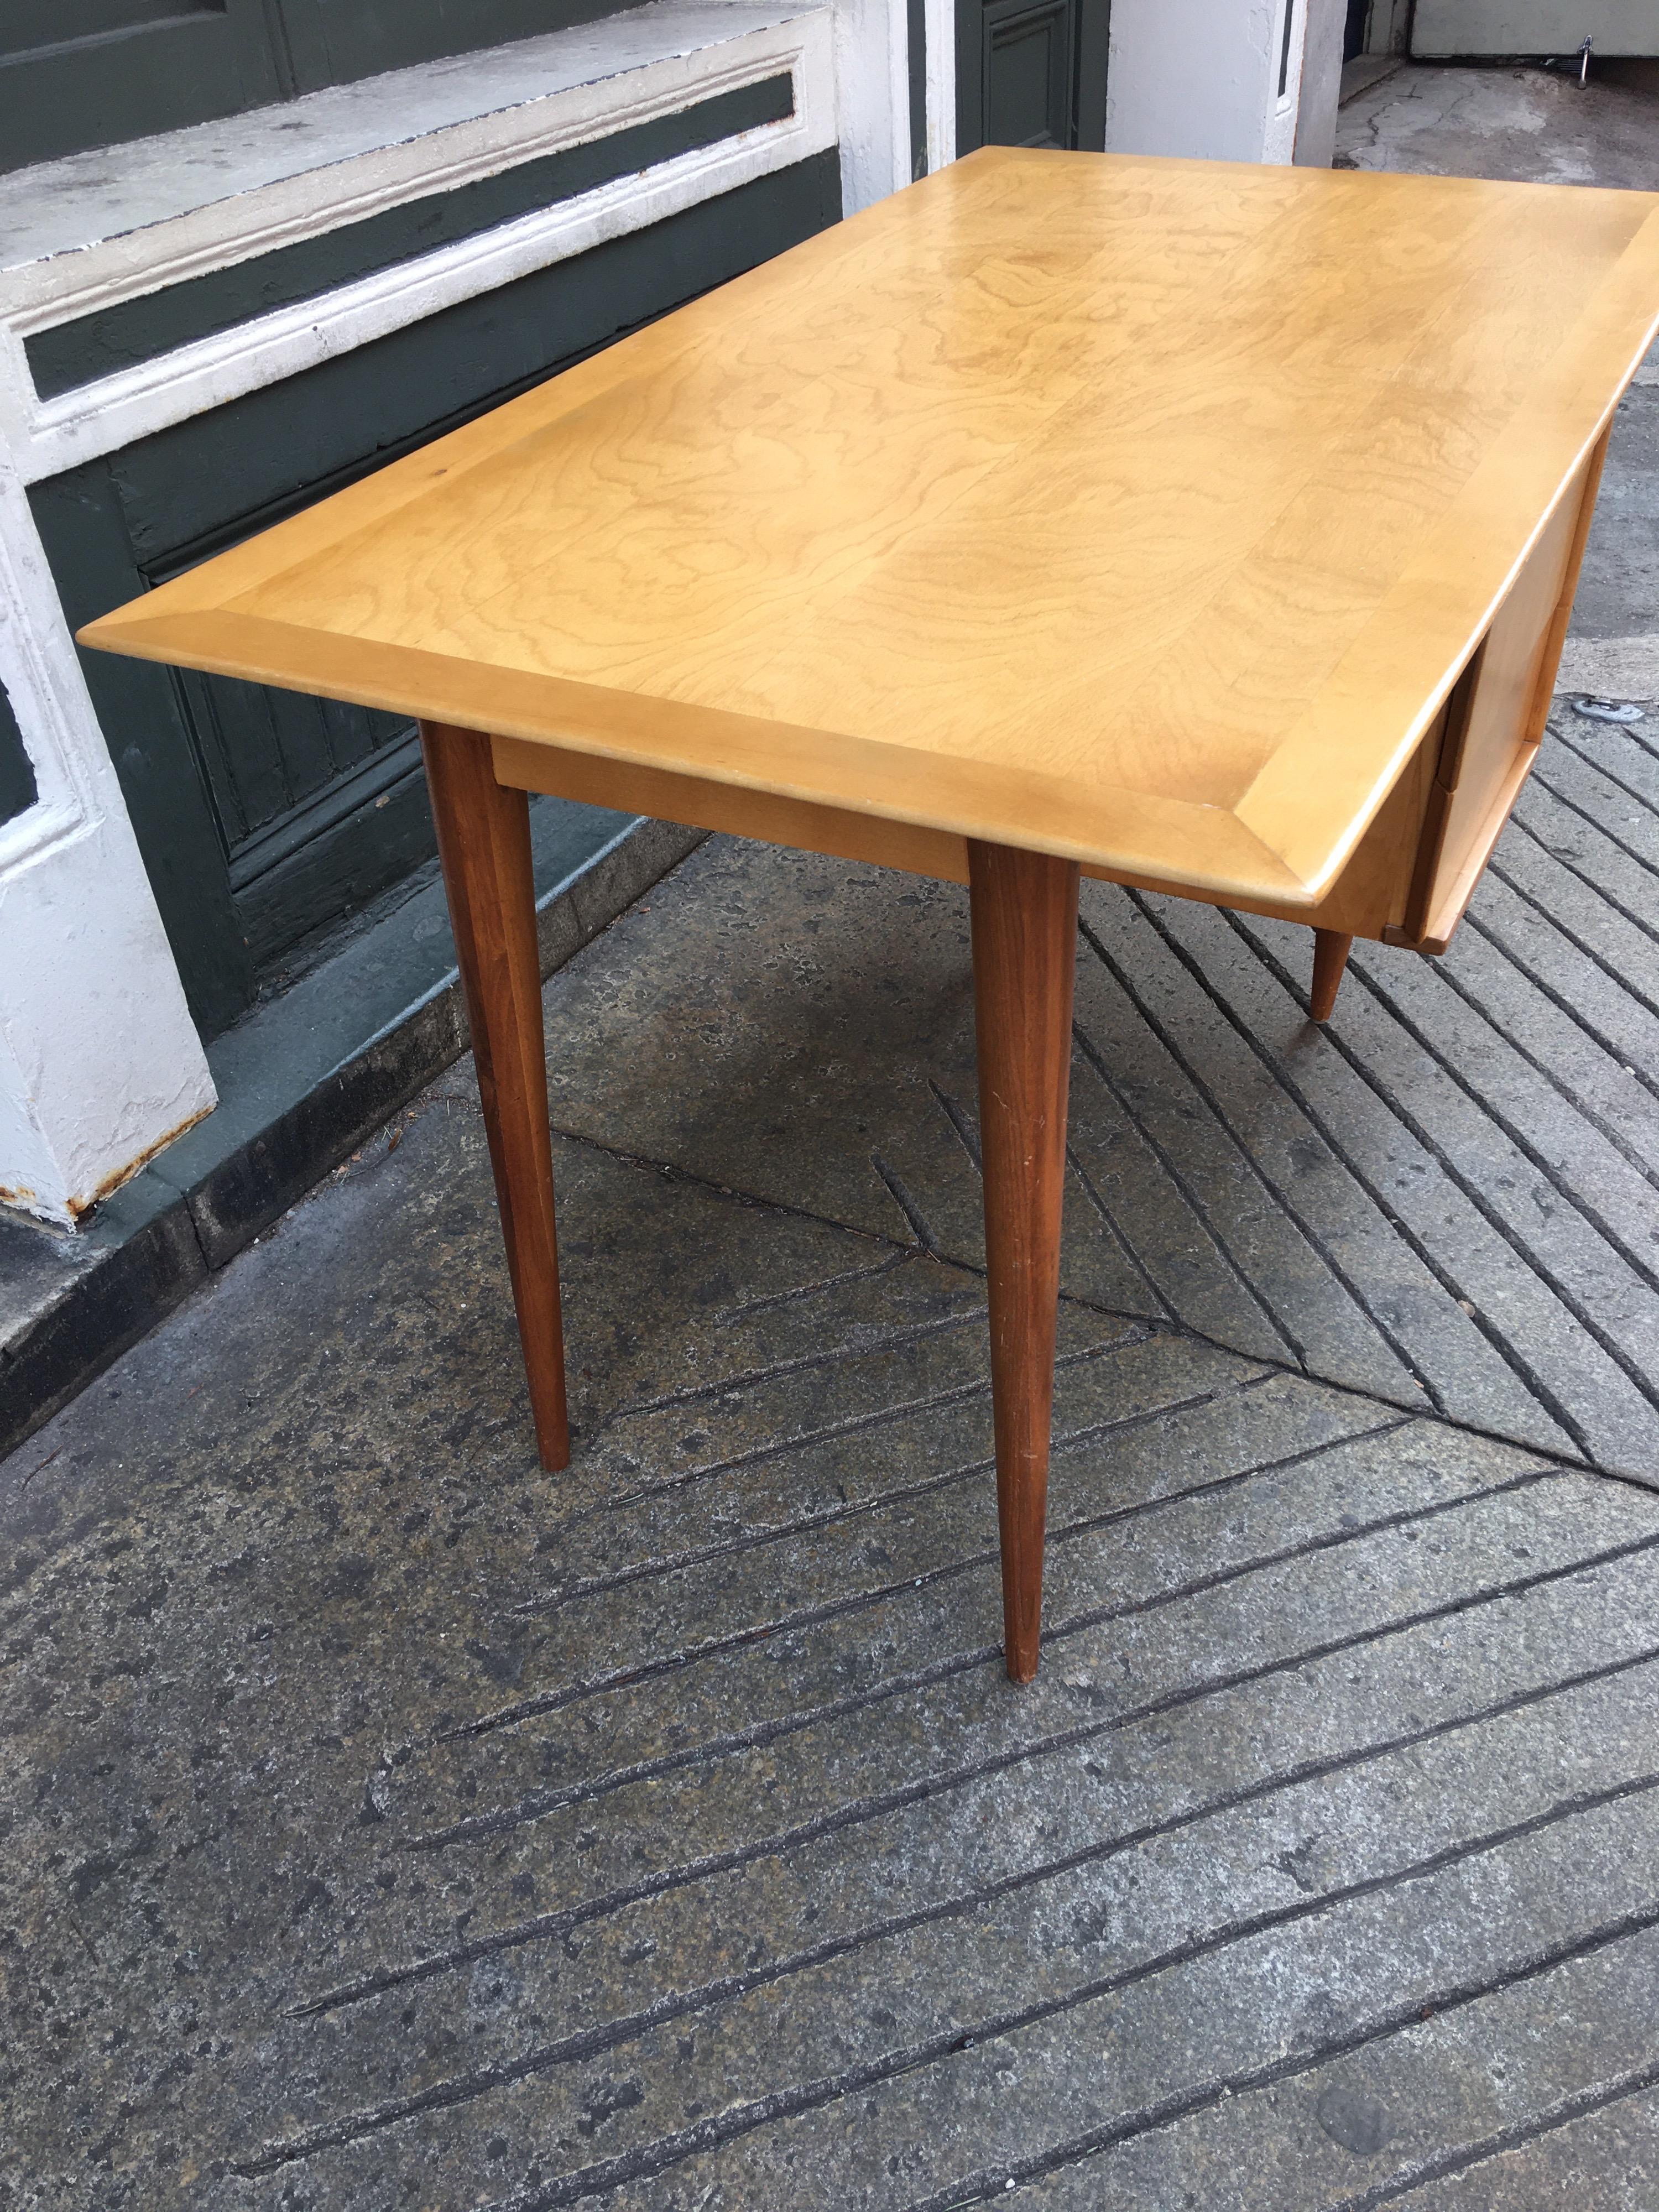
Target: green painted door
point(1031, 73)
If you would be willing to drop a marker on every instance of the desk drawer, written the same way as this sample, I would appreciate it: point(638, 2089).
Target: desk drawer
point(1494, 721)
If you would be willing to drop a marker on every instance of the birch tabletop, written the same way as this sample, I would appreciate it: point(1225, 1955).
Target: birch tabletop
point(1140, 512)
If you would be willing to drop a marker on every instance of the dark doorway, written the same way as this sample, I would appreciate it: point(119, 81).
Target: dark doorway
point(1353, 35)
point(1031, 73)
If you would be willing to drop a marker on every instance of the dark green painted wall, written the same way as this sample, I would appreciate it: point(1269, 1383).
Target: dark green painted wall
point(137, 330)
point(93, 73)
point(243, 867)
point(17, 769)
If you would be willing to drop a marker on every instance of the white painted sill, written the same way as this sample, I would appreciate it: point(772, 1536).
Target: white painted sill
point(89, 231)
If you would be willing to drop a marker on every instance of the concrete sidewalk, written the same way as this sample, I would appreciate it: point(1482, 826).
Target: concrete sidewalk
point(390, 1824)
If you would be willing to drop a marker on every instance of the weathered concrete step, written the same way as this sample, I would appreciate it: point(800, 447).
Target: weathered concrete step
point(1428, 1676)
point(838, 1521)
point(841, 1770)
point(1572, 789)
point(809, 1038)
point(1590, 993)
point(1432, 1171)
point(1608, 2157)
point(846, 1762)
point(1204, 1097)
point(1625, 753)
point(1281, 1519)
point(772, 1451)
point(804, 1667)
point(1555, 882)
point(1568, 1194)
point(1567, 831)
point(1555, 1039)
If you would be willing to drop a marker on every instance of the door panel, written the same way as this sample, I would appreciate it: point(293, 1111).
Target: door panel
point(320, 806)
point(1031, 73)
point(267, 754)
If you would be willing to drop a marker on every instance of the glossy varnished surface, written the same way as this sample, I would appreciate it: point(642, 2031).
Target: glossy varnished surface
point(1141, 512)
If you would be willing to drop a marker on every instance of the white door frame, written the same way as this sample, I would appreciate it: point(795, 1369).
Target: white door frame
point(941, 35)
point(1201, 78)
point(872, 100)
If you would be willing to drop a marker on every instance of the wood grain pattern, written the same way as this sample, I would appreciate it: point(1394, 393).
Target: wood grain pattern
point(1331, 951)
point(483, 845)
point(1024, 911)
point(1140, 513)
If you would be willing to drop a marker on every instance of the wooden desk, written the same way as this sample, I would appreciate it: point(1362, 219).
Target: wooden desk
point(1203, 527)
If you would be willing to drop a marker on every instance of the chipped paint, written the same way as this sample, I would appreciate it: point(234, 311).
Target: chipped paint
point(80, 1207)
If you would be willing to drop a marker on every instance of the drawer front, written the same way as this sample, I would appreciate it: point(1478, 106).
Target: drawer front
point(1495, 718)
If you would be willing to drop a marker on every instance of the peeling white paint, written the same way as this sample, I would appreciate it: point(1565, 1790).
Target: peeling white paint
point(100, 1062)
point(145, 249)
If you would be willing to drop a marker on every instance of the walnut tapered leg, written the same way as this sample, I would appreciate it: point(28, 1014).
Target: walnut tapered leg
point(1023, 907)
point(1331, 951)
point(484, 843)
